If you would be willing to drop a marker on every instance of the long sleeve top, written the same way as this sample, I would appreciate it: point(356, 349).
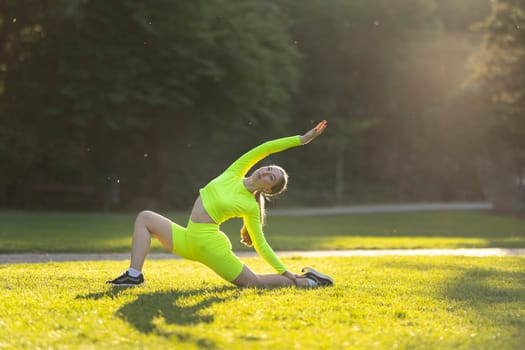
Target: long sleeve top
point(226, 196)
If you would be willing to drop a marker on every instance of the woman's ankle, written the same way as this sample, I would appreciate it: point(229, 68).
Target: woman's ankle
point(302, 282)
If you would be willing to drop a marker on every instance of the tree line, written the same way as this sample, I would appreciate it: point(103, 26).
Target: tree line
point(129, 104)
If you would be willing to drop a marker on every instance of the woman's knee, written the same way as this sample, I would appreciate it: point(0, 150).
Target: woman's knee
point(157, 225)
point(145, 216)
point(246, 281)
point(247, 278)
point(151, 220)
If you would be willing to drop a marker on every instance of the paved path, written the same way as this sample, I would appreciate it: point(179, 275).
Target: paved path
point(58, 257)
point(382, 208)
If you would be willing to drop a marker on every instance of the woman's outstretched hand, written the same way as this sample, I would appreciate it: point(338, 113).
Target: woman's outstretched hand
point(312, 134)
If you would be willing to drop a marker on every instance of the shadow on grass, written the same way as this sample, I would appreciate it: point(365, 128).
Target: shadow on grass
point(492, 293)
point(157, 312)
point(496, 295)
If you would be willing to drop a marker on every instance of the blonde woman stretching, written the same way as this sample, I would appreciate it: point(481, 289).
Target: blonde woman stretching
point(229, 195)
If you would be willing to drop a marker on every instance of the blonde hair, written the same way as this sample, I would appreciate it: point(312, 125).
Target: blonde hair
point(261, 198)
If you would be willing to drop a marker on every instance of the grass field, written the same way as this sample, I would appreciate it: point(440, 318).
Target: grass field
point(81, 232)
point(377, 303)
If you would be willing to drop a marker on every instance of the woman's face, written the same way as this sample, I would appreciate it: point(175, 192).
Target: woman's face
point(266, 177)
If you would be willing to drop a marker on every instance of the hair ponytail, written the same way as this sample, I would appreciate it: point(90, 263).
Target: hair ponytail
point(260, 197)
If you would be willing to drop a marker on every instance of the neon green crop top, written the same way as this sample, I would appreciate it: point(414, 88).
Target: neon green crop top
point(226, 196)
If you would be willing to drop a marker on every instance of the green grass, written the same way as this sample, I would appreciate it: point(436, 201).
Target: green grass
point(377, 302)
point(92, 232)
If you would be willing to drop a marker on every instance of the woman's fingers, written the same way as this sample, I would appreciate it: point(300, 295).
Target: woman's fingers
point(321, 126)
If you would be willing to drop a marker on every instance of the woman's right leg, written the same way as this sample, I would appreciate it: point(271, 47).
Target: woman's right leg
point(149, 223)
point(248, 278)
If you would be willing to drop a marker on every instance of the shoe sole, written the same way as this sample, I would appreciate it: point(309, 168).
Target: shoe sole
point(320, 276)
point(126, 284)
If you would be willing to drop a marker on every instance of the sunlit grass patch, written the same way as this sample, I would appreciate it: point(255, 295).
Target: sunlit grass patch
point(385, 302)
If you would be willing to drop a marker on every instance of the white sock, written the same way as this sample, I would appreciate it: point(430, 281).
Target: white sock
point(311, 282)
point(134, 273)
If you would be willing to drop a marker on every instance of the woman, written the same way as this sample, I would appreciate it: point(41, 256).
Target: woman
point(231, 194)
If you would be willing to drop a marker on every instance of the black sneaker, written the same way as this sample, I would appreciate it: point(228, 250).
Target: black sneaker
point(125, 280)
point(321, 279)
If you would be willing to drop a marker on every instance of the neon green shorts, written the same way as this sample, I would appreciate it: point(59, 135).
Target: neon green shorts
point(206, 244)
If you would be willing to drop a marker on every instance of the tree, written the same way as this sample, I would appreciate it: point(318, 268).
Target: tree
point(126, 87)
point(23, 152)
point(498, 70)
point(498, 80)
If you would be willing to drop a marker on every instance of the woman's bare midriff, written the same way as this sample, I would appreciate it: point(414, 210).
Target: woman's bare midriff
point(199, 214)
